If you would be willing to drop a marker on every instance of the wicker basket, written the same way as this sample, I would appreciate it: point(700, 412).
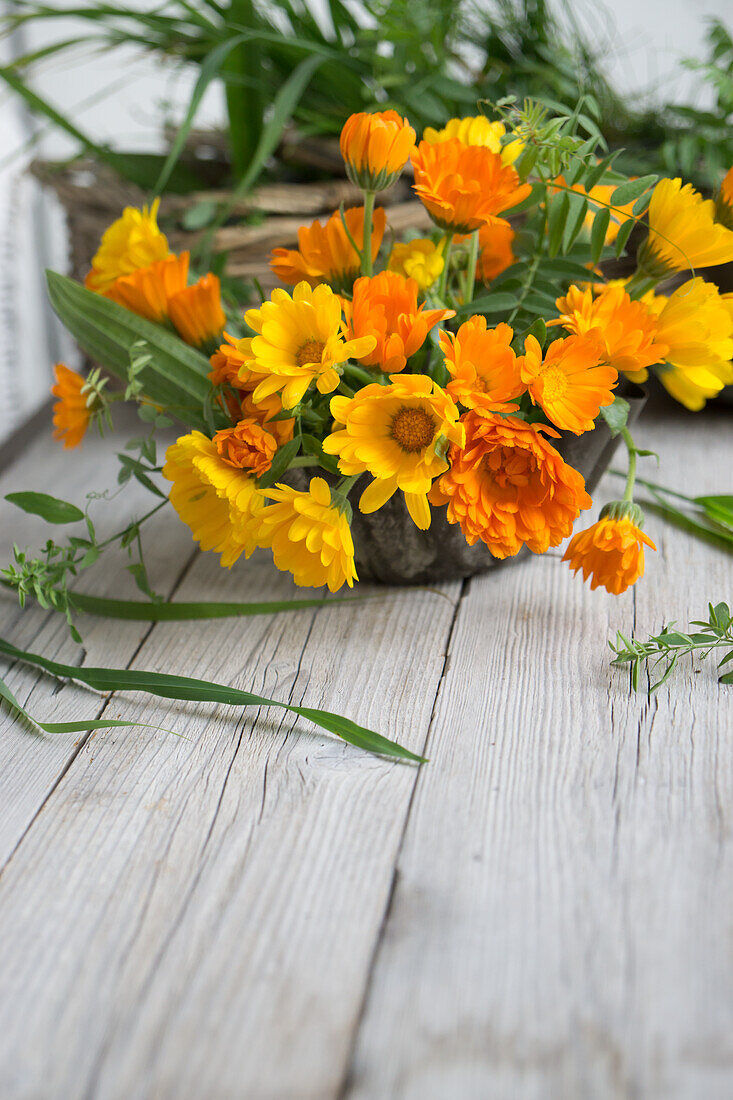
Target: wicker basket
point(93, 195)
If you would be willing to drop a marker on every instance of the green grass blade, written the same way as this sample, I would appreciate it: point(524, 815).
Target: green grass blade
point(145, 611)
point(206, 691)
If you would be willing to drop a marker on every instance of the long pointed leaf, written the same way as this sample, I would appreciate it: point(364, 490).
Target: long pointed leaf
point(206, 691)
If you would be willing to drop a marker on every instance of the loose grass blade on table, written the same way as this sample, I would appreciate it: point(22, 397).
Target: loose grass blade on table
point(203, 691)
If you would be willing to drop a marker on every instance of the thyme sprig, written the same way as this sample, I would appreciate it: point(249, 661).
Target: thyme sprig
point(668, 647)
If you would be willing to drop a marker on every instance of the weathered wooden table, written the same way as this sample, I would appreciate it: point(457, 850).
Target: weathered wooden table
point(256, 910)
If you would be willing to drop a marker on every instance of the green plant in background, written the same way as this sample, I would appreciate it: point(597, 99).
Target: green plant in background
point(428, 59)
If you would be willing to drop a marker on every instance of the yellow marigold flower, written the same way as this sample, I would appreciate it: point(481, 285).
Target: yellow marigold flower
point(477, 130)
point(148, 290)
point(131, 242)
point(325, 254)
point(611, 552)
point(309, 536)
point(724, 201)
point(384, 307)
point(626, 329)
point(483, 367)
point(375, 148)
point(696, 326)
point(421, 260)
point(196, 312)
point(398, 434)
point(573, 382)
point(71, 413)
point(464, 186)
point(220, 503)
point(246, 446)
point(300, 340)
point(509, 487)
point(682, 231)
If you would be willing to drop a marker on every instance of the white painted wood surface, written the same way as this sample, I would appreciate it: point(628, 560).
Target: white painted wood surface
point(257, 910)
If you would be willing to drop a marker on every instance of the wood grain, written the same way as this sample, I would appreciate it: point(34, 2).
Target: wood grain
point(196, 916)
point(256, 910)
point(561, 919)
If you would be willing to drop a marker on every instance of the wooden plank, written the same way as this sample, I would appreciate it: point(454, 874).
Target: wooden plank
point(196, 916)
point(560, 924)
point(31, 764)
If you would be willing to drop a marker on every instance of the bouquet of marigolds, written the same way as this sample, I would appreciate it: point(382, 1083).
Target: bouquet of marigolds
point(444, 369)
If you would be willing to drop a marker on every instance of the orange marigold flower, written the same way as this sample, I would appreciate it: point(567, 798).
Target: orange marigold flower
point(375, 148)
point(196, 312)
point(385, 306)
point(325, 254)
point(724, 201)
point(483, 367)
point(148, 290)
point(611, 552)
point(231, 362)
point(464, 186)
point(263, 411)
point(246, 446)
point(627, 329)
point(71, 413)
point(573, 382)
point(509, 487)
point(495, 240)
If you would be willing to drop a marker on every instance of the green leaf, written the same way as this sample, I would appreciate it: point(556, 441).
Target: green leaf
point(208, 70)
point(616, 415)
point(630, 191)
point(49, 508)
point(578, 206)
point(598, 234)
point(313, 446)
point(489, 303)
point(161, 612)
point(68, 727)
point(283, 457)
point(623, 235)
point(176, 376)
point(556, 220)
point(206, 691)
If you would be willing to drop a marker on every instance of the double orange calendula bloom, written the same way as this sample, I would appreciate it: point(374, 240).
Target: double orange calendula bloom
point(508, 487)
point(385, 307)
point(247, 446)
point(627, 329)
point(464, 186)
point(611, 552)
point(483, 367)
point(573, 381)
point(375, 148)
point(398, 434)
point(325, 254)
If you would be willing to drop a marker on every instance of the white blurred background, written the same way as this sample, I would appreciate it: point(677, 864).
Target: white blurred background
point(126, 103)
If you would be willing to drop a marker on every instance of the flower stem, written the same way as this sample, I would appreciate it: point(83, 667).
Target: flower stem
point(472, 261)
point(631, 476)
point(361, 374)
point(366, 256)
point(447, 249)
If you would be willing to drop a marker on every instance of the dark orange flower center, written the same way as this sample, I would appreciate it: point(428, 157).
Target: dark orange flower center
point(509, 466)
point(310, 352)
point(413, 429)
